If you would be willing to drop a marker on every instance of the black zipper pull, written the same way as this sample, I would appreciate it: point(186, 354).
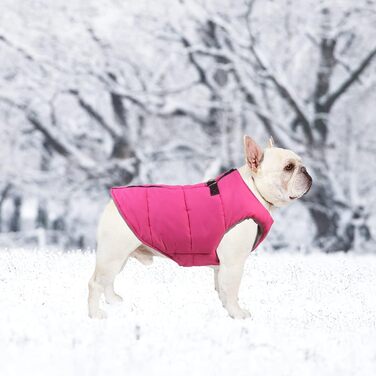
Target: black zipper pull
point(213, 186)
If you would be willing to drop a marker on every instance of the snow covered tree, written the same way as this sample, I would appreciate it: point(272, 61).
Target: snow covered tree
point(234, 51)
point(99, 94)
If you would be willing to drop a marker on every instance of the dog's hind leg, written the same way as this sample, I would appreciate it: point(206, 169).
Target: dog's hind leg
point(95, 293)
point(102, 281)
point(105, 277)
point(115, 242)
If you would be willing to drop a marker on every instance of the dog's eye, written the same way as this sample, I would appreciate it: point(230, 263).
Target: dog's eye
point(289, 167)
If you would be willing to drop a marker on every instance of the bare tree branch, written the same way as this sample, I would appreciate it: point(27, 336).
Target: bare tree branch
point(41, 61)
point(284, 91)
point(53, 139)
point(4, 193)
point(94, 113)
point(265, 120)
point(22, 51)
point(331, 99)
point(165, 110)
point(203, 79)
point(285, 94)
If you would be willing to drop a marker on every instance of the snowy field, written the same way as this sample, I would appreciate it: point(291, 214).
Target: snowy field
point(312, 315)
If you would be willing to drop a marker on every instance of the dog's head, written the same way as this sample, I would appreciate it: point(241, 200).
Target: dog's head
point(279, 174)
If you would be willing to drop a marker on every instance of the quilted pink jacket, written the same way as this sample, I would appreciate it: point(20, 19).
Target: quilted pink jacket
point(187, 222)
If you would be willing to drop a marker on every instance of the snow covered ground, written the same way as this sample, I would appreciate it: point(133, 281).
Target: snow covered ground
point(312, 315)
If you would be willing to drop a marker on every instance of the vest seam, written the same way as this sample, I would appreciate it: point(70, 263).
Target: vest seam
point(148, 213)
point(223, 210)
point(189, 221)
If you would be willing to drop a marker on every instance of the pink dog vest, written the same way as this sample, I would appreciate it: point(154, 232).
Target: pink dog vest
point(187, 222)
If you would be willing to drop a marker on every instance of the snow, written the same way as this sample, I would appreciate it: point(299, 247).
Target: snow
point(311, 315)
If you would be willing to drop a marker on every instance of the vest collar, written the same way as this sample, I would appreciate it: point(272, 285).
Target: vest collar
point(246, 175)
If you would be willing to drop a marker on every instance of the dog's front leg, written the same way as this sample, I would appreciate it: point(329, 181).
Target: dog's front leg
point(229, 277)
point(215, 270)
point(232, 253)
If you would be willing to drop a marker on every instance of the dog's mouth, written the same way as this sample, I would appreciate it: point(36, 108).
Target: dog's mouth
point(310, 180)
point(307, 183)
point(305, 192)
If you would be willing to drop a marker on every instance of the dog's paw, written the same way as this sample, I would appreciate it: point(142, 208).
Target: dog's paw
point(99, 314)
point(114, 299)
point(238, 313)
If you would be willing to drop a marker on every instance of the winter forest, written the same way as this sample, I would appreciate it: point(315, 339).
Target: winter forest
point(101, 93)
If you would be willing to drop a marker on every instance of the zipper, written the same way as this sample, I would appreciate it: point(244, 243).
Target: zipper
point(213, 183)
point(144, 185)
point(226, 173)
point(210, 183)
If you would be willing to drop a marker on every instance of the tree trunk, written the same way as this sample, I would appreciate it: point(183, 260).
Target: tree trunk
point(3, 196)
point(326, 214)
point(59, 227)
point(339, 227)
point(41, 220)
point(122, 148)
point(323, 204)
point(15, 220)
point(332, 215)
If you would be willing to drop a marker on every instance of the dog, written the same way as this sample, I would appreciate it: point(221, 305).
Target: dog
point(273, 178)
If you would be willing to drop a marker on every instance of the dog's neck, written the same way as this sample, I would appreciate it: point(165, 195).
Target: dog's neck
point(246, 174)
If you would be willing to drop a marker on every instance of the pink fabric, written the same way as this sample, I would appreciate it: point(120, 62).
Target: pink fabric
point(185, 222)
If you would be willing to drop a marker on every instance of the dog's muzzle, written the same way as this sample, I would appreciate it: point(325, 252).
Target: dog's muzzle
point(304, 171)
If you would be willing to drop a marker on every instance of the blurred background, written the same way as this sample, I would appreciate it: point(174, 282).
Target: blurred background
point(113, 92)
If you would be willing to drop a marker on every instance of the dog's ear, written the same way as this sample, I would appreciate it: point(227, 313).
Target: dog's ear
point(253, 153)
point(271, 142)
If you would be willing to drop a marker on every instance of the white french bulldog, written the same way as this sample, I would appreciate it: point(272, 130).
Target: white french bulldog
point(276, 177)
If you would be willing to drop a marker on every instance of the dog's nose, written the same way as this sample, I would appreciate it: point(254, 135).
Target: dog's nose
point(304, 171)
